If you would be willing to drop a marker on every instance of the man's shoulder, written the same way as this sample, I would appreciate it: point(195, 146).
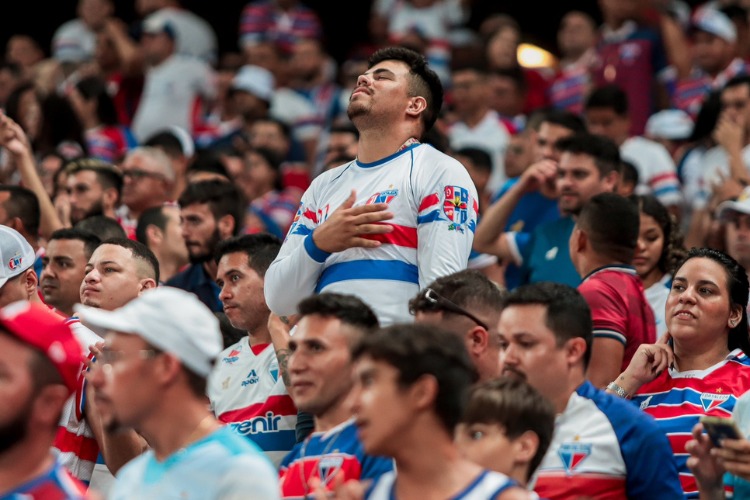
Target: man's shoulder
point(185, 277)
point(622, 414)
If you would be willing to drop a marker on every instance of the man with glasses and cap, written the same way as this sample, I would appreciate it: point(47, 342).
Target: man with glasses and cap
point(469, 304)
point(39, 373)
point(159, 351)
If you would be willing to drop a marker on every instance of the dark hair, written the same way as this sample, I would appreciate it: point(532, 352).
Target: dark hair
point(107, 174)
point(605, 153)
point(95, 88)
point(416, 350)
point(568, 314)
point(736, 81)
point(611, 223)
point(708, 115)
point(140, 252)
point(23, 204)
point(608, 96)
point(348, 309)
point(515, 406)
point(673, 251)
point(167, 142)
point(102, 226)
point(480, 158)
point(273, 161)
point(261, 249)
point(738, 285)
point(153, 216)
point(469, 289)
point(628, 173)
point(90, 240)
point(514, 74)
point(207, 160)
point(424, 82)
point(223, 198)
point(566, 119)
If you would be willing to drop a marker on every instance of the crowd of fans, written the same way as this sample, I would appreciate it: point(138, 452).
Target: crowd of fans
point(430, 270)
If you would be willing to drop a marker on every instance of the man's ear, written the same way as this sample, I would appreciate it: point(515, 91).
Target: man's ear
point(416, 106)
point(154, 234)
point(226, 225)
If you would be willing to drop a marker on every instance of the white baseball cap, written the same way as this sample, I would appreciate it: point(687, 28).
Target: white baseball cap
point(741, 205)
point(168, 318)
point(715, 22)
point(16, 254)
point(255, 80)
point(672, 124)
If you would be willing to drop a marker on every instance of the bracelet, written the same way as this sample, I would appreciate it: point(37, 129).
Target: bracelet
point(618, 390)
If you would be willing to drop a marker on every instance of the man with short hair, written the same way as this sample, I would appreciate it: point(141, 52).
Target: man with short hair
point(247, 385)
point(210, 212)
point(18, 280)
point(602, 247)
point(411, 383)
point(606, 112)
point(588, 165)
point(469, 304)
point(148, 179)
point(67, 253)
point(601, 443)
point(19, 209)
point(151, 375)
point(506, 225)
point(94, 188)
point(398, 217)
point(321, 380)
point(39, 375)
point(159, 229)
point(735, 215)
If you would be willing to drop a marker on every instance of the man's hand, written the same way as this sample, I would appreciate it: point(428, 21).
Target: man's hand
point(349, 226)
point(647, 363)
point(705, 467)
point(729, 133)
point(540, 176)
point(734, 456)
point(12, 137)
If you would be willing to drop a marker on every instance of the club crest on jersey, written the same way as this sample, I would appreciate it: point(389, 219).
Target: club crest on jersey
point(456, 207)
point(232, 357)
point(711, 401)
point(573, 454)
point(329, 465)
point(15, 262)
point(382, 197)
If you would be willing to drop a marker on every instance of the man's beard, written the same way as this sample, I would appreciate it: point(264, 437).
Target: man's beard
point(200, 258)
point(96, 209)
point(17, 429)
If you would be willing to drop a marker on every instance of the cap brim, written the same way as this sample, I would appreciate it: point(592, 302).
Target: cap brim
point(101, 321)
point(725, 208)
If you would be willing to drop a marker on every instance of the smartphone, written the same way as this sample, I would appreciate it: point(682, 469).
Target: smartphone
point(719, 428)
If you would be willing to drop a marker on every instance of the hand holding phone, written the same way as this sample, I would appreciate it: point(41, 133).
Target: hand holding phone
point(719, 428)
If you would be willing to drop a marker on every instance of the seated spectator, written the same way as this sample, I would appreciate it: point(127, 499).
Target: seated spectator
point(600, 444)
point(707, 322)
point(507, 427)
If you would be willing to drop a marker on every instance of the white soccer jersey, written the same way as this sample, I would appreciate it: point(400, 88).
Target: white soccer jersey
point(657, 173)
point(75, 440)
point(247, 392)
point(487, 486)
point(434, 203)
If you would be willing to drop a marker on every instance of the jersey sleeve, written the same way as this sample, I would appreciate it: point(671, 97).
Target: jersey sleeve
point(247, 475)
point(292, 276)
point(608, 313)
point(447, 208)
point(664, 183)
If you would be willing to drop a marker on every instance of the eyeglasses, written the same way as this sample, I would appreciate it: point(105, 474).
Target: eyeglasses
point(138, 174)
point(439, 302)
point(109, 357)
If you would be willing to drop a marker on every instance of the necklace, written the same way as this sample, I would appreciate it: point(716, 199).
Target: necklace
point(336, 462)
point(409, 142)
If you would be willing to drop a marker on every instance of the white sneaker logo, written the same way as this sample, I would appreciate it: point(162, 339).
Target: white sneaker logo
point(551, 253)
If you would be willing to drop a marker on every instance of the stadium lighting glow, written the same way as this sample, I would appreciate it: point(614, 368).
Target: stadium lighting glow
point(531, 56)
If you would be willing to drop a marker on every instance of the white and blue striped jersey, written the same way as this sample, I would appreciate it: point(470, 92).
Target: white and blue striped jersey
point(434, 203)
point(487, 486)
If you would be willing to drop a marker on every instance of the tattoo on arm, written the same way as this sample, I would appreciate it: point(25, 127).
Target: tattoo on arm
point(282, 355)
